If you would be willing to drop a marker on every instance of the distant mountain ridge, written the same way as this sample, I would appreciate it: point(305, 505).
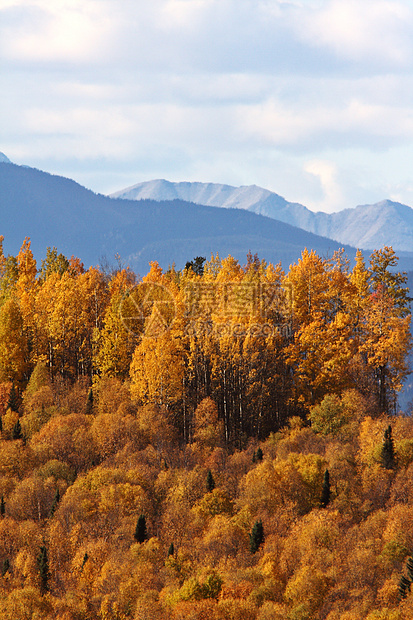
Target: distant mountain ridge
point(56, 211)
point(366, 226)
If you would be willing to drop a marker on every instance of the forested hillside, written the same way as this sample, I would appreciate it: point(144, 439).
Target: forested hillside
point(218, 442)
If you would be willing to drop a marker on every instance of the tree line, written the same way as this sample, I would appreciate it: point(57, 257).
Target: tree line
point(263, 344)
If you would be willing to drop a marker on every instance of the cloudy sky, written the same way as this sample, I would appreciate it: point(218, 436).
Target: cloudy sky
point(312, 99)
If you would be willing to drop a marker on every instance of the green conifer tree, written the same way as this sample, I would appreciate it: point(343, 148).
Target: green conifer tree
point(326, 490)
point(140, 531)
point(89, 403)
point(256, 536)
point(404, 586)
point(210, 482)
point(43, 566)
point(5, 567)
point(171, 549)
point(17, 431)
point(13, 402)
point(2, 506)
point(259, 455)
point(55, 503)
point(409, 566)
point(388, 454)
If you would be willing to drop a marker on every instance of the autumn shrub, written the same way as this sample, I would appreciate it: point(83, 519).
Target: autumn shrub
point(272, 611)
point(306, 591)
point(58, 470)
point(111, 432)
point(222, 538)
point(31, 499)
point(26, 604)
point(109, 394)
point(297, 478)
point(67, 439)
point(214, 503)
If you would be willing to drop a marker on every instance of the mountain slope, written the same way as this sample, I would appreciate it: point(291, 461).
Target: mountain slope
point(365, 227)
point(55, 211)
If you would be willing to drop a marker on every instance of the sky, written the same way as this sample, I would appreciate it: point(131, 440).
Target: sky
point(311, 99)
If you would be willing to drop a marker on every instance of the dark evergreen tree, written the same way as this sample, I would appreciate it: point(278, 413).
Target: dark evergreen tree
point(388, 455)
point(256, 536)
point(43, 566)
point(89, 403)
point(171, 549)
point(2, 506)
point(13, 402)
point(259, 455)
point(55, 503)
point(409, 566)
point(1, 423)
point(140, 531)
point(326, 490)
point(210, 482)
point(404, 587)
point(17, 431)
point(85, 559)
point(197, 265)
point(5, 567)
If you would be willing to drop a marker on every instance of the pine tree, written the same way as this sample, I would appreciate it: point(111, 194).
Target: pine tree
point(210, 482)
point(2, 506)
point(171, 549)
point(256, 536)
point(388, 455)
point(55, 503)
point(43, 566)
point(404, 587)
point(259, 455)
point(17, 431)
point(409, 566)
point(13, 402)
point(140, 531)
point(5, 567)
point(89, 403)
point(326, 490)
point(1, 424)
point(197, 265)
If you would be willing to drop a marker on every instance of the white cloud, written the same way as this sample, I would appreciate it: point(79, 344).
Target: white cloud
point(62, 30)
point(297, 96)
point(372, 30)
point(326, 173)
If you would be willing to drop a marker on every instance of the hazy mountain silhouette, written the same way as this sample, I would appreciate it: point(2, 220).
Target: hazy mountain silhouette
point(365, 226)
point(56, 211)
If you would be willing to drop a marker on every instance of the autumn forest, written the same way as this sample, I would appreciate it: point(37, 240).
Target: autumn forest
point(221, 442)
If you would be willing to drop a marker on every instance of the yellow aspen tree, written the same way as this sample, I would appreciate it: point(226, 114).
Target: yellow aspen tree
point(386, 346)
point(13, 343)
point(309, 283)
point(157, 368)
point(113, 344)
point(2, 257)
point(26, 288)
